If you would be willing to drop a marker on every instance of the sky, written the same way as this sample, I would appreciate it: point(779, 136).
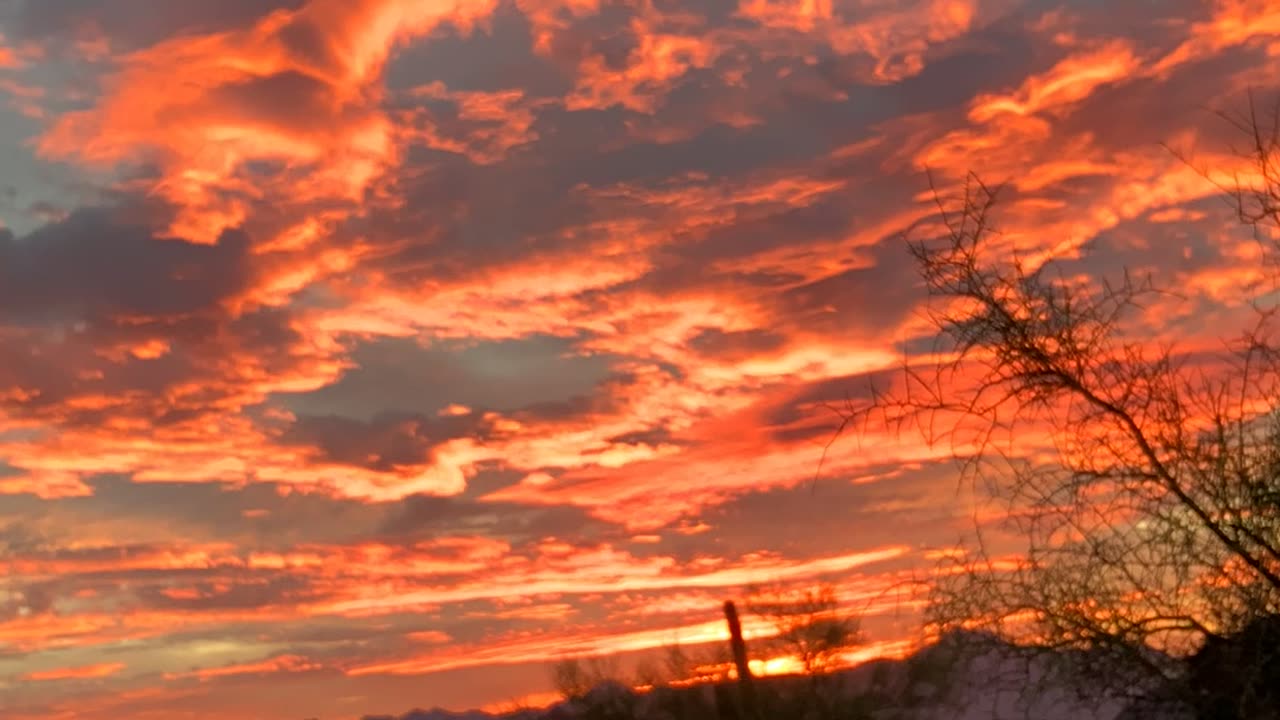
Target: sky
point(358, 355)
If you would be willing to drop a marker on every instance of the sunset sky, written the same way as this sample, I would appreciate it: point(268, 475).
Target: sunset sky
point(358, 355)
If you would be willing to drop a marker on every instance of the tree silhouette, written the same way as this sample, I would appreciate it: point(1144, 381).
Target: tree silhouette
point(1149, 520)
point(811, 627)
point(591, 686)
point(809, 624)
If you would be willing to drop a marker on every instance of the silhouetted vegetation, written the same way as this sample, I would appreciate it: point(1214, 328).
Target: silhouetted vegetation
point(812, 629)
point(1147, 527)
point(808, 627)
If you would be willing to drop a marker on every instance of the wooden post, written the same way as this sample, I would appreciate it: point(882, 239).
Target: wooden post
point(746, 690)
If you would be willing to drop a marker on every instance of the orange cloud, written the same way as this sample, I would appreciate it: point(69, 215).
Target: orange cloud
point(1232, 23)
point(280, 664)
point(17, 57)
point(75, 673)
point(296, 89)
point(897, 36)
point(606, 570)
point(1070, 81)
point(493, 123)
point(659, 59)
